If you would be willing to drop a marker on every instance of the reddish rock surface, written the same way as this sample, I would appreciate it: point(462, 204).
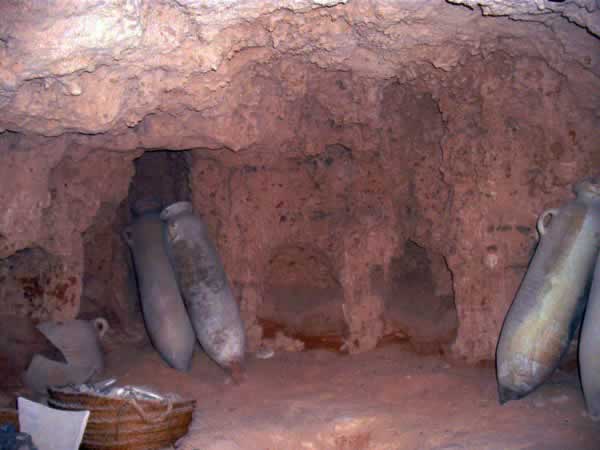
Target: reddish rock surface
point(348, 132)
point(386, 399)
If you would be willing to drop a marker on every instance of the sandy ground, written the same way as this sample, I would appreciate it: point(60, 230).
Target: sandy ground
point(390, 398)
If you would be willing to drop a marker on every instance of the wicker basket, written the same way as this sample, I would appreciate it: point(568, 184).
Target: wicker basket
point(127, 424)
point(9, 416)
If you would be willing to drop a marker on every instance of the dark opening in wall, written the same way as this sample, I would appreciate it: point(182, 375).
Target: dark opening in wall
point(420, 301)
point(109, 286)
point(162, 175)
point(303, 297)
point(107, 289)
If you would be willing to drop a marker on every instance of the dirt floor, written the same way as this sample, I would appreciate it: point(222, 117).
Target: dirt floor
point(390, 398)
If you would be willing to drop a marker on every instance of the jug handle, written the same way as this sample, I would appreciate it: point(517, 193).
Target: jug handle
point(101, 325)
point(540, 223)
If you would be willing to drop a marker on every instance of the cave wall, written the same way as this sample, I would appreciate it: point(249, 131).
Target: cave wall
point(53, 191)
point(513, 149)
point(463, 169)
point(349, 129)
point(344, 186)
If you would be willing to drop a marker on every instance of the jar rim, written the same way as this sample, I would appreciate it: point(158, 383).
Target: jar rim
point(175, 208)
point(590, 186)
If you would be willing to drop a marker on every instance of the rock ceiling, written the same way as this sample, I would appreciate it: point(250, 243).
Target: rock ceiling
point(112, 66)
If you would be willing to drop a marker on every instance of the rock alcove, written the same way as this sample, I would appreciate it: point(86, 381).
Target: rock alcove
point(369, 171)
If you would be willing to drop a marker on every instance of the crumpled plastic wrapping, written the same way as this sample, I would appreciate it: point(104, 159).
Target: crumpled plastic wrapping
point(107, 388)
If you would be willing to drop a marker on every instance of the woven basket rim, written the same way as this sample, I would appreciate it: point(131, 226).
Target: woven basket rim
point(68, 392)
point(183, 405)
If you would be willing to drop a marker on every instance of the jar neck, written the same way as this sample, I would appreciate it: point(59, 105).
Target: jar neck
point(145, 206)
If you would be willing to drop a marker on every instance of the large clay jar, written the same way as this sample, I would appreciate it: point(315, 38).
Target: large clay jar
point(210, 303)
point(589, 348)
point(550, 301)
point(165, 315)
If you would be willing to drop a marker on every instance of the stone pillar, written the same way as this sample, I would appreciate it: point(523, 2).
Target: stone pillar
point(365, 259)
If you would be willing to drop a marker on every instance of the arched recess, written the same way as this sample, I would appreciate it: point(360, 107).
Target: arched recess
point(303, 297)
point(419, 299)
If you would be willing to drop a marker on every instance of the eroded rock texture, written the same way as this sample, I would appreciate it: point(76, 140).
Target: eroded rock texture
point(394, 154)
point(585, 13)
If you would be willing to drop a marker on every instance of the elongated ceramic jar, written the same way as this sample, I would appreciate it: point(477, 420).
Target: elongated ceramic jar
point(202, 281)
point(550, 302)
